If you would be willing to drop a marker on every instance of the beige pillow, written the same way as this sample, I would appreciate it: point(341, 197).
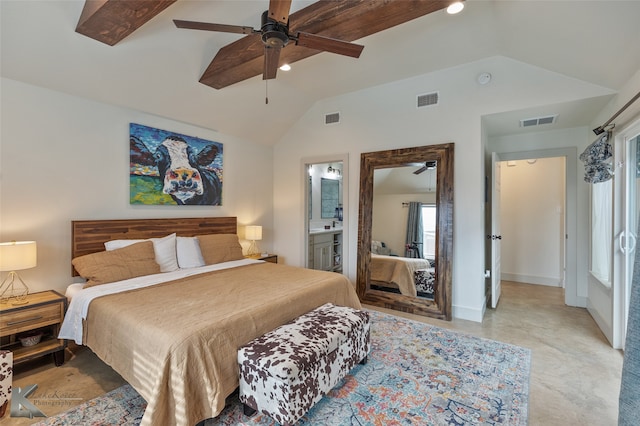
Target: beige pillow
point(109, 266)
point(217, 248)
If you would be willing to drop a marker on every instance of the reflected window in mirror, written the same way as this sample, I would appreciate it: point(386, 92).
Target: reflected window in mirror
point(429, 230)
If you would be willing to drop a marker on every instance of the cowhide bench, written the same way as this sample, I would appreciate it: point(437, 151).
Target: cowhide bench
point(286, 371)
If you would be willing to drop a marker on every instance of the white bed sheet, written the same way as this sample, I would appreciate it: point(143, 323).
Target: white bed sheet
point(81, 298)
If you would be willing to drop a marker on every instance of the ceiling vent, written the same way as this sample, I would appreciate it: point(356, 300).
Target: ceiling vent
point(428, 99)
point(332, 118)
point(537, 121)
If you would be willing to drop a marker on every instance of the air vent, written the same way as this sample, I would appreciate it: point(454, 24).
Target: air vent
point(332, 118)
point(537, 121)
point(428, 99)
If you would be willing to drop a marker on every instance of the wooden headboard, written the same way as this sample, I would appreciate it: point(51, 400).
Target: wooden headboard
point(89, 236)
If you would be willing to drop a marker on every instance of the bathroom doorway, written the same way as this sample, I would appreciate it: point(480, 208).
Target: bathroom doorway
point(325, 213)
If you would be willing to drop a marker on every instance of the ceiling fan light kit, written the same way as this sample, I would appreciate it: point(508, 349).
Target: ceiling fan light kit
point(274, 34)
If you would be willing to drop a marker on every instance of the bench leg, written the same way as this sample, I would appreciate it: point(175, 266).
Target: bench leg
point(364, 360)
point(248, 411)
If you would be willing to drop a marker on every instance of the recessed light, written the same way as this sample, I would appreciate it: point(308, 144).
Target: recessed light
point(285, 67)
point(455, 8)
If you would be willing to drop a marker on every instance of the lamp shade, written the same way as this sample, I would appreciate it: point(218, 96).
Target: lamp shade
point(17, 255)
point(253, 232)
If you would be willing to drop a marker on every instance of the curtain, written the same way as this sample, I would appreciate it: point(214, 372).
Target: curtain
point(597, 160)
point(601, 210)
point(414, 240)
point(629, 401)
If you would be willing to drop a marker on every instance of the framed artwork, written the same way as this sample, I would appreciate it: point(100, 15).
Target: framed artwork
point(170, 168)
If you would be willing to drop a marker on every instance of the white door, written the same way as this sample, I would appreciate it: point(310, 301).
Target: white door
point(627, 239)
point(495, 236)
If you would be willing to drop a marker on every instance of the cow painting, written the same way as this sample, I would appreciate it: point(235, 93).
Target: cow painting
point(184, 174)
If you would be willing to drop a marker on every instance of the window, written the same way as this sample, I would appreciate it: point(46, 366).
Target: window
point(429, 231)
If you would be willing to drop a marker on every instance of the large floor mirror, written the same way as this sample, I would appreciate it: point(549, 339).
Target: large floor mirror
point(405, 230)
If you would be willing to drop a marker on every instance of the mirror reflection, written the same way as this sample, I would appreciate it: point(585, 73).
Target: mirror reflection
point(403, 231)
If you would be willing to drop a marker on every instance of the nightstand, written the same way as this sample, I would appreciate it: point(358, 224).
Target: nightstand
point(273, 258)
point(43, 312)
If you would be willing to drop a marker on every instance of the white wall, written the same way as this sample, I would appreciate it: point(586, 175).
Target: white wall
point(64, 158)
point(532, 221)
point(386, 117)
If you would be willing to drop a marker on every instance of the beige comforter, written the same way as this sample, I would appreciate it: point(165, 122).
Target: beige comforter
point(176, 343)
point(398, 270)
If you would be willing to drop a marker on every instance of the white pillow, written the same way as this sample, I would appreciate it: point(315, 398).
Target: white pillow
point(189, 254)
point(164, 249)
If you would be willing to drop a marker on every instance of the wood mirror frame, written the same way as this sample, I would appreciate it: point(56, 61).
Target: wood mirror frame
point(440, 307)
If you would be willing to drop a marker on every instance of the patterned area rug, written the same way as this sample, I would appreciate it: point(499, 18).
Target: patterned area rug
point(417, 374)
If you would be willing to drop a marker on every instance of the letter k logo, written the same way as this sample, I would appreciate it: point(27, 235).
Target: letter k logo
point(20, 406)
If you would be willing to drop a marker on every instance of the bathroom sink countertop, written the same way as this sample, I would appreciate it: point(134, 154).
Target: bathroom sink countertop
point(315, 231)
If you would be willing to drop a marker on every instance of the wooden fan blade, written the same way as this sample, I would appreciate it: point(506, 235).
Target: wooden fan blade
point(205, 26)
point(327, 44)
point(279, 10)
point(235, 62)
point(271, 58)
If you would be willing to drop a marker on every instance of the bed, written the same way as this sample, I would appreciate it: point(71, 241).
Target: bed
point(397, 274)
point(174, 335)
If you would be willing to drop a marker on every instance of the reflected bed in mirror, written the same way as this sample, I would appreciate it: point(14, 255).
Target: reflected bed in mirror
point(402, 275)
point(405, 230)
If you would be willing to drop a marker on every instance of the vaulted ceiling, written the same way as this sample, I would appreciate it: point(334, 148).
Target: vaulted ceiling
point(156, 68)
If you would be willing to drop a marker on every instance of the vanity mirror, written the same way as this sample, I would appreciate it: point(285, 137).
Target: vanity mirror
point(432, 167)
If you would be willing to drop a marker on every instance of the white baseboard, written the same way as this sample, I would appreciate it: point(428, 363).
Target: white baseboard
point(531, 279)
point(468, 313)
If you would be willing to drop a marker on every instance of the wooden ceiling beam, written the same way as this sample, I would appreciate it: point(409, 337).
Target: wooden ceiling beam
point(110, 21)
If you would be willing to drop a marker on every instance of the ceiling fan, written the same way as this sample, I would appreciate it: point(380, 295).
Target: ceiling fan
point(326, 25)
point(428, 165)
point(275, 35)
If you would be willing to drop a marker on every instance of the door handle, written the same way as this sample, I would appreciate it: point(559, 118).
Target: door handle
point(623, 249)
point(628, 237)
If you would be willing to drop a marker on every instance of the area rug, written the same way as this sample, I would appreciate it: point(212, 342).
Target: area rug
point(417, 374)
